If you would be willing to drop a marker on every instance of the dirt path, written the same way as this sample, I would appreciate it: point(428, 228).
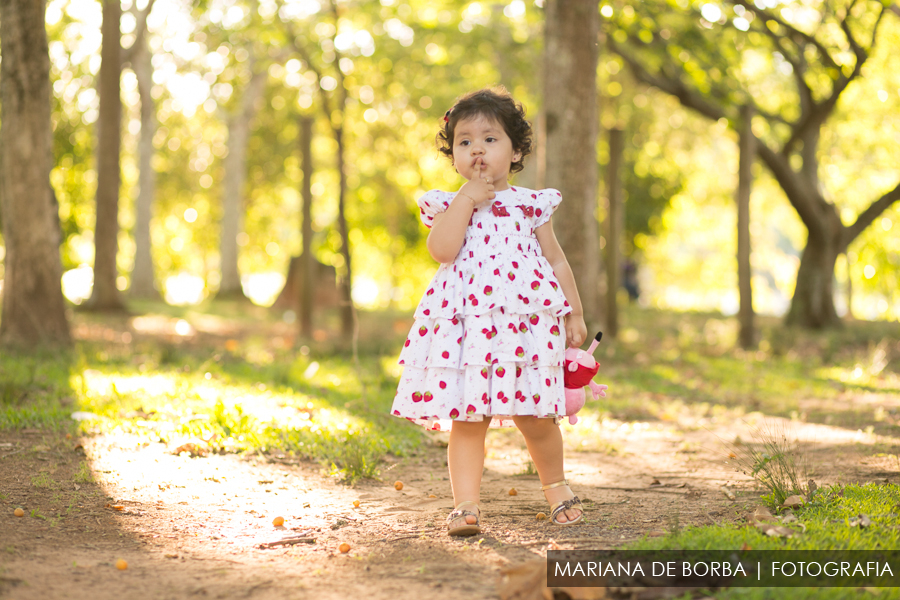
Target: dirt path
point(192, 527)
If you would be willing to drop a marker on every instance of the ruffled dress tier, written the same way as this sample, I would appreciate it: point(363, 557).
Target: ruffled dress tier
point(489, 338)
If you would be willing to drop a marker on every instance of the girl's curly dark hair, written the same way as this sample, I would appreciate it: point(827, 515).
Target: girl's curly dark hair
point(495, 104)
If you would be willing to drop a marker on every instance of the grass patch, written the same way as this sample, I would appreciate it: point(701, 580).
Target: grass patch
point(831, 521)
point(774, 461)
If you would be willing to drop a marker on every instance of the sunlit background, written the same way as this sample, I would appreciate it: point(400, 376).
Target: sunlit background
point(404, 63)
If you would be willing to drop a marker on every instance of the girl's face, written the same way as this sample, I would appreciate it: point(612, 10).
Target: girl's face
point(483, 138)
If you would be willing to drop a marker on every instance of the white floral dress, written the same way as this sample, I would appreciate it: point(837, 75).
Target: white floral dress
point(488, 338)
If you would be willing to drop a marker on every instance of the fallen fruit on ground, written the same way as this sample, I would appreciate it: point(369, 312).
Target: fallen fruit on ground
point(121, 564)
point(356, 504)
point(19, 512)
point(513, 492)
point(278, 521)
point(541, 516)
point(432, 496)
point(344, 548)
point(398, 485)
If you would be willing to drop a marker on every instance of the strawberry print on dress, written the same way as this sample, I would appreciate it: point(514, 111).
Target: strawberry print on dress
point(488, 339)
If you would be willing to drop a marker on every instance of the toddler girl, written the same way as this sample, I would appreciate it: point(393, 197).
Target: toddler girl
point(490, 332)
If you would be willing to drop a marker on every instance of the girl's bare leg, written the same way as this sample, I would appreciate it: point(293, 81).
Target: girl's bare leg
point(465, 457)
point(544, 441)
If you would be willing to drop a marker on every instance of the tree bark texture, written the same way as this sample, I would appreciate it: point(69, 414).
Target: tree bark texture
point(570, 104)
point(615, 220)
point(233, 185)
point(105, 295)
point(33, 306)
point(747, 336)
point(143, 281)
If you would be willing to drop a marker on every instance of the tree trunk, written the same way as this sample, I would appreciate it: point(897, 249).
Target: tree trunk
point(33, 306)
point(105, 296)
point(344, 280)
point(142, 277)
point(615, 219)
point(306, 301)
point(813, 303)
point(233, 188)
point(570, 66)
point(747, 143)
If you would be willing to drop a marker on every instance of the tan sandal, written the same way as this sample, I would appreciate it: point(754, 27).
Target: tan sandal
point(559, 507)
point(461, 513)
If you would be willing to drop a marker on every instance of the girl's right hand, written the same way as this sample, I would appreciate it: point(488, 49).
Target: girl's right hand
point(480, 188)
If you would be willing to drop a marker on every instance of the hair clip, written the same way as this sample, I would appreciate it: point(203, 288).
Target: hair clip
point(447, 116)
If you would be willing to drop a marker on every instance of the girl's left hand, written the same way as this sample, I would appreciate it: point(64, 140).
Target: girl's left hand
point(576, 330)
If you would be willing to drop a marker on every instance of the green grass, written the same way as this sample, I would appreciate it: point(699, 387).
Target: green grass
point(830, 523)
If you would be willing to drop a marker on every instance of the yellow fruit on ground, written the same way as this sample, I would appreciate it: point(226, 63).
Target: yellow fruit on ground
point(278, 521)
point(121, 564)
point(398, 485)
point(19, 512)
point(541, 516)
point(513, 492)
point(356, 504)
point(344, 548)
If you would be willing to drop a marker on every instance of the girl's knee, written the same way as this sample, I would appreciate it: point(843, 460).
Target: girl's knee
point(530, 426)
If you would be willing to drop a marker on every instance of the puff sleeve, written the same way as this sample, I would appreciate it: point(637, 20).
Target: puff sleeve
point(547, 202)
point(430, 204)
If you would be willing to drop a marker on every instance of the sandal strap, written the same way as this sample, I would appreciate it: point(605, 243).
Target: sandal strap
point(557, 508)
point(458, 512)
point(550, 486)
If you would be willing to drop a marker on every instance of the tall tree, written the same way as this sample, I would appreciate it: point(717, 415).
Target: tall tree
point(105, 295)
point(139, 55)
point(697, 54)
point(235, 177)
point(745, 273)
point(33, 307)
point(615, 219)
point(336, 114)
point(570, 105)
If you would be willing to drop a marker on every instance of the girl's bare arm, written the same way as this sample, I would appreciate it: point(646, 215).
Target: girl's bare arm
point(576, 330)
point(448, 229)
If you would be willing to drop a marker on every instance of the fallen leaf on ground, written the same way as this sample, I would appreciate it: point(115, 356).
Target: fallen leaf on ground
point(860, 520)
point(794, 501)
point(728, 493)
point(779, 531)
point(655, 482)
point(761, 515)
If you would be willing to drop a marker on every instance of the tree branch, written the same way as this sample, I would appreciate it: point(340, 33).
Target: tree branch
point(141, 29)
point(794, 188)
point(766, 15)
point(669, 85)
point(869, 215)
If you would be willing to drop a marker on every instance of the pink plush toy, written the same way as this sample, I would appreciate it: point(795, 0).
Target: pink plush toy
point(579, 370)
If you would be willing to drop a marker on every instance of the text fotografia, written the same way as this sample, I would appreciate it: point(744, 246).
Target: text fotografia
point(723, 568)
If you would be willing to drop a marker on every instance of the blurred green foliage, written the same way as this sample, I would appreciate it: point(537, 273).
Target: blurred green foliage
point(404, 63)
